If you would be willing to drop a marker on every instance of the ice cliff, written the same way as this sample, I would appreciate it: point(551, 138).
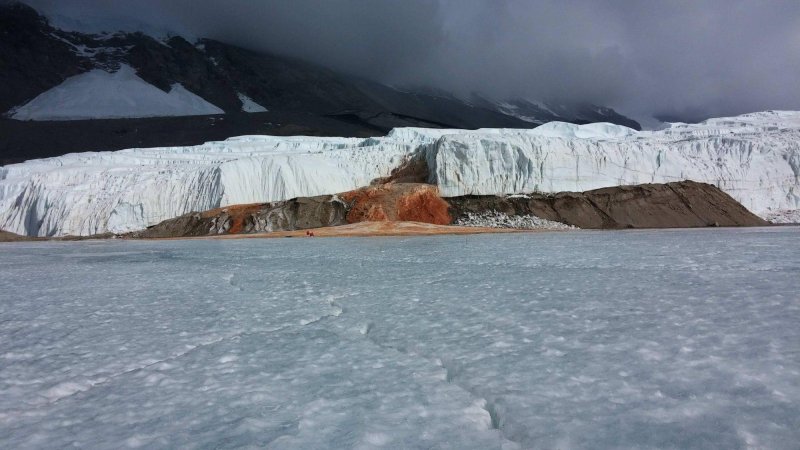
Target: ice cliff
point(754, 157)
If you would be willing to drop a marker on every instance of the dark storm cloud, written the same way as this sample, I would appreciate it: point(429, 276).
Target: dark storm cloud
point(681, 58)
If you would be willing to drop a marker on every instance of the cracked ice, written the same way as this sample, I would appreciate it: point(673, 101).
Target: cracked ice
point(646, 339)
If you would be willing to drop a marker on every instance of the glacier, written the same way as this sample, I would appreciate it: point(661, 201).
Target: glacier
point(753, 157)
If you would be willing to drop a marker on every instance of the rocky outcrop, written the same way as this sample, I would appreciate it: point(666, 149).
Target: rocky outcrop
point(6, 236)
point(34, 59)
point(296, 214)
point(675, 205)
point(684, 204)
point(386, 203)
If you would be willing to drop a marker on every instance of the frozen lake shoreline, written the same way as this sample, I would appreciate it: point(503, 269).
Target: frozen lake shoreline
point(657, 338)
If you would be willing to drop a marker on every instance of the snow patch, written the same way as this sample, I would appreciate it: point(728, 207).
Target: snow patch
point(249, 106)
point(566, 130)
point(98, 94)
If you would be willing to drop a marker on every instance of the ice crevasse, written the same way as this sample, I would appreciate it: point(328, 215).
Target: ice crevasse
point(754, 157)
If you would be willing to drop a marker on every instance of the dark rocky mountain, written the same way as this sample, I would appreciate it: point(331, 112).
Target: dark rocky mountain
point(543, 112)
point(33, 60)
point(299, 96)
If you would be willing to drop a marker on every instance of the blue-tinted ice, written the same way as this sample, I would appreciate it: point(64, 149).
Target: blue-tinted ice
point(651, 339)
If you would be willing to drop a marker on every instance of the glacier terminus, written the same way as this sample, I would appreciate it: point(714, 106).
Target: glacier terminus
point(755, 158)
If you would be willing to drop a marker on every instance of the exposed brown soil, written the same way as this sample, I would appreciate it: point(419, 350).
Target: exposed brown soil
point(424, 205)
point(397, 202)
point(7, 236)
point(414, 170)
point(366, 229)
point(685, 204)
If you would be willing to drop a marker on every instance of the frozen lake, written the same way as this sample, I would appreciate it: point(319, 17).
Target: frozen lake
point(638, 339)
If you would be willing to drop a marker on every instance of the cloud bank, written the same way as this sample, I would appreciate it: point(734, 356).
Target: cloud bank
point(681, 59)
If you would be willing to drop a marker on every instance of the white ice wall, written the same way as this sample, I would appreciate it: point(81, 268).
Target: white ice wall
point(755, 158)
point(90, 193)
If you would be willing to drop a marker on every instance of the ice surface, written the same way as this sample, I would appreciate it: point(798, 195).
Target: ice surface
point(639, 339)
point(755, 158)
point(98, 94)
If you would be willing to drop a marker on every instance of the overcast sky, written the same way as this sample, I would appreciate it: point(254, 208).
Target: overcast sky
point(690, 59)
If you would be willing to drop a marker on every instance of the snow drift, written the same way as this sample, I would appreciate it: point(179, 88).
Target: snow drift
point(755, 158)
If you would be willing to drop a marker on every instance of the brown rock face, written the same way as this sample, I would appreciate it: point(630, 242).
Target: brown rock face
point(685, 204)
point(397, 202)
point(415, 170)
point(296, 214)
point(673, 205)
point(7, 236)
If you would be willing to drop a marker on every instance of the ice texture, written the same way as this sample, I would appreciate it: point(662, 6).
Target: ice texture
point(754, 157)
point(99, 94)
point(91, 193)
point(638, 339)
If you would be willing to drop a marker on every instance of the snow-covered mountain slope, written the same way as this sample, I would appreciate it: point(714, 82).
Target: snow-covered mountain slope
point(539, 112)
point(755, 158)
point(100, 94)
point(42, 54)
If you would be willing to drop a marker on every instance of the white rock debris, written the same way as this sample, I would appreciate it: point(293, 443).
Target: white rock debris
point(784, 217)
point(496, 219)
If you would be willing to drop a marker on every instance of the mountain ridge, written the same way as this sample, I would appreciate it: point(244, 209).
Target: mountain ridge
point(43, 57)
